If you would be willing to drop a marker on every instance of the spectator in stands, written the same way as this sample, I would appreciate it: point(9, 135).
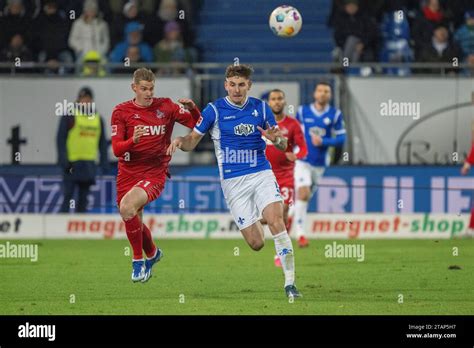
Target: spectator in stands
point(93, 64)
point(431, 15)
point(129, 14)
point(465, 37)
point(396, 42)
point(89, 32)
point(133, 53)
point(14, 21)
point(168, 10)
point(355, 33)
point(133, 37)
point(440, 49)
point(171, 49)
point(16, 49)
point(51, 33)
point(80, 139)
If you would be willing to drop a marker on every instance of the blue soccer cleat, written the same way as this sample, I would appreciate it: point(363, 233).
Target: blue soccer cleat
point(138, 270)
point(149, 263)
point(291, 291)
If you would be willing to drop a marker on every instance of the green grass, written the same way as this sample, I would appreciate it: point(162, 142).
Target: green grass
point(214, 281)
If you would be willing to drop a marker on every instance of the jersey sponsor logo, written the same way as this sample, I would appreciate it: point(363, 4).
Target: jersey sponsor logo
point(255, 113)
point(318, 131)
point(155, 130)
point(114, 129)
point(244, 129)
point(198, 123)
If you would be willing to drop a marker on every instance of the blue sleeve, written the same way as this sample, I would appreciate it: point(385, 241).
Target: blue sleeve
point(339, 131)
point(268, 116)
point(206, 121)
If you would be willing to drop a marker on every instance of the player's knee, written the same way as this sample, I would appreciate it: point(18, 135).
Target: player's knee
point(303, 194)
point(257, 244)
point(127, 210)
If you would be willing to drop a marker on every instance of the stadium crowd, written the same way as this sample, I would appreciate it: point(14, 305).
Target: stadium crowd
point(92, 32)
point(403, 31)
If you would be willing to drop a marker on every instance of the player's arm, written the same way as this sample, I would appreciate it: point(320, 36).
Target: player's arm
point(340, 132)
point(189, 142)
point(186, 143)
point(468, 162)
point(120, 144)
point(187, 114)
point(272, 132)
point(299, 141)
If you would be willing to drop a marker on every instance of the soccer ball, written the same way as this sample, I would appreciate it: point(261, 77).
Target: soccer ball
point(285, 21)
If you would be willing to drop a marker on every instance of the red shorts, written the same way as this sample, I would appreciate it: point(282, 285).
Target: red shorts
point(152, 186)
point(287, 188)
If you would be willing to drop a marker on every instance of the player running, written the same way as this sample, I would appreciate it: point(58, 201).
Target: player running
point(319, 121)
point(141, 133)
point(236, 124)
point(283, 163)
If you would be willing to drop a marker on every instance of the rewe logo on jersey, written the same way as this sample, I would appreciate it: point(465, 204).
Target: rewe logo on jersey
point(244, 129)
point(155, 130)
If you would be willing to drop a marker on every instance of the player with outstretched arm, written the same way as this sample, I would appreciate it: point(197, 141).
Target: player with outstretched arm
point(141, 134)
point(237, 123)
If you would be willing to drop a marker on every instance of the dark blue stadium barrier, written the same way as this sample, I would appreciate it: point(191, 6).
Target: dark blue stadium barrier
point(389, 189)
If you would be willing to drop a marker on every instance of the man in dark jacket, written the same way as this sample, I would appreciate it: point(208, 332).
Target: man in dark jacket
point(79, 139)
point(355, 33)
point(439, 50)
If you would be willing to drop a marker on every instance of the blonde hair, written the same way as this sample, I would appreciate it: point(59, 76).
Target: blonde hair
point(143, 74)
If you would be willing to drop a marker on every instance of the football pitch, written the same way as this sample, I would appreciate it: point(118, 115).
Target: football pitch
point(226, 277)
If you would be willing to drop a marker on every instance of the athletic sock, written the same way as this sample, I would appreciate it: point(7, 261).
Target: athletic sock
point(133, 227)
point(284, 250)
point(301, 208)
point(148, 244)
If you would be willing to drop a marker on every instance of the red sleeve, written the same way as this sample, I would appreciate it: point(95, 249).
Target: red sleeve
point(120, 145)
point(470, 158)
point(185, 117)
point(299, 141)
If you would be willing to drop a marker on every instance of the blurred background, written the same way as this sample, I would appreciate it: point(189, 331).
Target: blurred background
point(375, 54)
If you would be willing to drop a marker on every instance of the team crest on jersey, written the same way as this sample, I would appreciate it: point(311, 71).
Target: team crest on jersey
point(327, 121)
point(255, 113)
point(159, 114)
point(244, 129)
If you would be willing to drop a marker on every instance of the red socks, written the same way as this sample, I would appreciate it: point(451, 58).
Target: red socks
point(148, 244)
point(471, 222)
point(133, 227)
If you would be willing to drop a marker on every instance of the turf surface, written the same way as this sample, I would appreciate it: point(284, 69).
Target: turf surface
point(205, 277)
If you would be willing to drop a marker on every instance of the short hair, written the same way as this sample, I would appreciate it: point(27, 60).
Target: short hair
point(324, 83)
point(276, 90)
point(143, 74)
point(240, 70)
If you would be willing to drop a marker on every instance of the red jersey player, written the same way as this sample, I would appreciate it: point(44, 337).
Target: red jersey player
point(283, 163)
point(464, 171)
point(141, 133)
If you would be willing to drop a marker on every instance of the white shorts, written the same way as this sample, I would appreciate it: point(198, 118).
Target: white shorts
point(307, 175)
point(248, 195)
